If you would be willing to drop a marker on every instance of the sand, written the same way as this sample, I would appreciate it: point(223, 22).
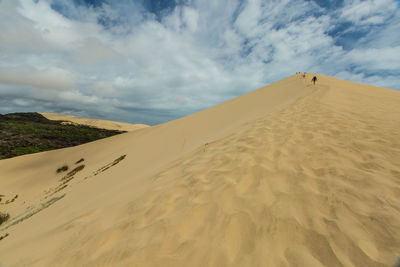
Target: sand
point(104, 124)
point(288, 175)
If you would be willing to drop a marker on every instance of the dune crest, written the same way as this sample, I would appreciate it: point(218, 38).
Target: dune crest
point(103, 124)
point(288, 175)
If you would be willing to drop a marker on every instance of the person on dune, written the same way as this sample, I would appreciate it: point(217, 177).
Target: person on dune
point(314, 79)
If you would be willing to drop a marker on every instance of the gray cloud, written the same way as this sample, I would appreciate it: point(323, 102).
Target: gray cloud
point(50, 78)
point(118, 61)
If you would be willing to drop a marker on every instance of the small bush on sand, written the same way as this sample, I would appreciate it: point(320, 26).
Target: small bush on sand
point(397, 263)
point(4, 217)
point(62, 169)
point(77, 169)
point(4, 236)
point(109, 165)
point(33, 212)
point(69, 175)
point(79, 161)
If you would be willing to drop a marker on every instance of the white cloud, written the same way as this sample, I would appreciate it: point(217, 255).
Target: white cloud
point(248, 19)
point(387, 58)
point(368, 11)
point(190, 18)
point(50, 25)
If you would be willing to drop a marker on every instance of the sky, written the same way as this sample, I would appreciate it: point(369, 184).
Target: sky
point(151, 61)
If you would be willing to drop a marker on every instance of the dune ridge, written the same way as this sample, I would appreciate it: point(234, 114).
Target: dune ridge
point(103, 124)
point(288, 175)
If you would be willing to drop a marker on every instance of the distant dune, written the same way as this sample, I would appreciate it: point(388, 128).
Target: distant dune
point(291, 174)
point(104, 124)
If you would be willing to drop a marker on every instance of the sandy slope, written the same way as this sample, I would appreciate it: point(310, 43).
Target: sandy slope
point(104, 124)
point(288, 175)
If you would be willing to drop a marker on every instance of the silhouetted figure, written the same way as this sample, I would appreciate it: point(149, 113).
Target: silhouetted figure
point(304, 75)
point(314, 79)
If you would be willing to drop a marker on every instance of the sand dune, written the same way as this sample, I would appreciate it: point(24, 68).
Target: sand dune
point(288, 175)
point(104, 124)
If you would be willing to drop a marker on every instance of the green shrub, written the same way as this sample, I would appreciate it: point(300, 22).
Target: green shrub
point(62, 169)
point(25, 150)
point(109, 165)
point(77, 169)
point(397, 263)
point(79, 161)
point(4, 217)
point(73, 172)
point(42, 207)
point(26, 133)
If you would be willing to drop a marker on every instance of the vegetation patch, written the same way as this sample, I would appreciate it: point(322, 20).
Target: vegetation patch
point(397, 263)
point(11, 200)
point(109, 165)
point(33, 212)
point(79, 161)
point(19, 151)
point(61, 188)
point(4, 236)
point(118, 160)
point(62, 169)
point(64, 180)
point(69, 175)
point(26, 133)
point(4, 217)
point(56, 190)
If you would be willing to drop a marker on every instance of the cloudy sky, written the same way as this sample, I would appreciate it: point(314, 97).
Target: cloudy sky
point(150, 61)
